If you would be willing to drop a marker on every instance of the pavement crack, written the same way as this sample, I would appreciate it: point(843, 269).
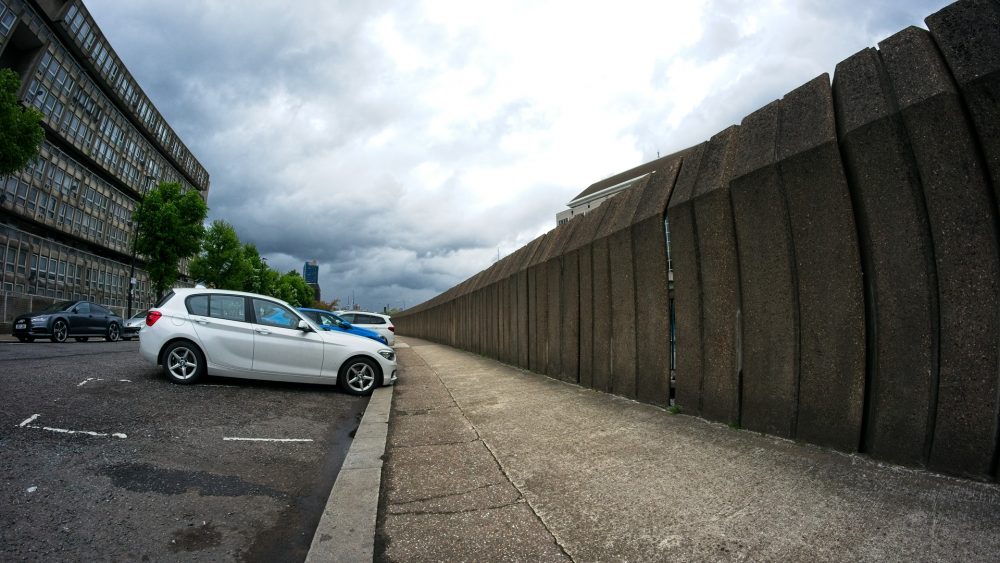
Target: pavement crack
point(503, 470)
point(449, 495)
point(423, 411)
point(463, 511)
point(403, 447)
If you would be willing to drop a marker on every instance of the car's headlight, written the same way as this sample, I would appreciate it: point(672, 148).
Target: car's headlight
point(39, 320)
point(387, 354)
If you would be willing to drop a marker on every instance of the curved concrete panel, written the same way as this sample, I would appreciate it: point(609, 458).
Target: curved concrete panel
point(963, 228)
point(828, 270)
point(767, 279)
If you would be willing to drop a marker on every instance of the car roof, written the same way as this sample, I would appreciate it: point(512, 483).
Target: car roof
point(205, 290)
point(362, 313)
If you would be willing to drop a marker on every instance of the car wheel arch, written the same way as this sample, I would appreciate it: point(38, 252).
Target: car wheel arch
point(171, 342)
point(379, 375)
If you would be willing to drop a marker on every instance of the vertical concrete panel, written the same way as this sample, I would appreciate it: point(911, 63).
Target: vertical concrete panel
point(963, 219)
point(523, 333)
point(623, 304)
point(533, 338)
point(687, 284)
point(586, 361)
point(828, 269)
point(898, 255)
point(570, 309)
point(687, 307)
point(555, 289)
point(720, 319)
point(767, 285)
point(512, 320)
point(601, 362)
point(719, 278)
point(968, 34)
point(652, 383)
point(542, 302)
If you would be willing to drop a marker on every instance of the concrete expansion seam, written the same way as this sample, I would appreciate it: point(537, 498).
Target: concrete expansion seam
point(496, 460)
point(346, 531)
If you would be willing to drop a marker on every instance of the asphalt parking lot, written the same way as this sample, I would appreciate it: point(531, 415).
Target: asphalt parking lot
point(103, 459)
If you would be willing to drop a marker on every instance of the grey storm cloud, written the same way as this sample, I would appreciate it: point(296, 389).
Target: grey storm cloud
point(404, 145)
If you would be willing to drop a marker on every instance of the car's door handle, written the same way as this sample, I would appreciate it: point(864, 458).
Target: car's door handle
point(262, 331)
point(201, 320)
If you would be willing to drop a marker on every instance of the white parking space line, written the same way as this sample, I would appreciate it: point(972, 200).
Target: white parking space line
point(232, 439)
point(27, 424)
point(28, 420)
point(89, 379)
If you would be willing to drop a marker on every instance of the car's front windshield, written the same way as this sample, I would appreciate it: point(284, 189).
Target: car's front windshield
point(58, 306)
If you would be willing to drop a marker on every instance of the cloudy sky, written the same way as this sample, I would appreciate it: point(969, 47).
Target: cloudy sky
point(404, 144)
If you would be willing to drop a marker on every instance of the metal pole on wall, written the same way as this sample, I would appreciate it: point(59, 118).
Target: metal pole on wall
point(131, 269)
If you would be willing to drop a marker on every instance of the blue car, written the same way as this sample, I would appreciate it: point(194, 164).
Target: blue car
point(329, 321)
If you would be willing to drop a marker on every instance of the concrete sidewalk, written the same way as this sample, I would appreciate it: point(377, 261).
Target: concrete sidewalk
point(488, 462)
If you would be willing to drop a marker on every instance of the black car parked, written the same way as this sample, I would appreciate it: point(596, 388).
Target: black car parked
point(69, 319)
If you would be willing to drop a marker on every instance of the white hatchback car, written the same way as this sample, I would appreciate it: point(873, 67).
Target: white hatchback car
point(194, 331)
point(378, 322)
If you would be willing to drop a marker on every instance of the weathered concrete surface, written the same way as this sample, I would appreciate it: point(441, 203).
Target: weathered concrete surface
point(652, 315)
point(601, 351)
point(968, 35)
point(720, 281)
point(895, 242)
point(687, 283)
point(623, 305)
point(594, 477)
point(767, 279)
point(963, 228)
point(828, 270)
point(570, 309)
point(444, 497)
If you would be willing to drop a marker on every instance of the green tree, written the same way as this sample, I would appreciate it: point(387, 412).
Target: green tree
point(169, 223)
point(20, 127)
point(221, 263)
point(292, 287)
point(260, 277)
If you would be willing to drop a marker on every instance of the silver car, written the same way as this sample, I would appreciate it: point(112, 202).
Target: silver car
point(194, 331)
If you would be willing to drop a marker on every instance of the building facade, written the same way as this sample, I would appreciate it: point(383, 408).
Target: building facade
point(310, 272)
point(66, 228)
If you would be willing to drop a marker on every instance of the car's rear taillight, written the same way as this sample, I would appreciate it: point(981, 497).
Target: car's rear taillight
point(152, 317)
point(392, 328)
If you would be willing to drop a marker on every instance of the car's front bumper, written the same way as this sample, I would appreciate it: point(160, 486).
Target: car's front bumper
point(24, 327)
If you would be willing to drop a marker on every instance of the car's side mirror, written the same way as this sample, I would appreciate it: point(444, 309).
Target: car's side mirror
point(345, 325)
point(75, 310)
point(304, 326)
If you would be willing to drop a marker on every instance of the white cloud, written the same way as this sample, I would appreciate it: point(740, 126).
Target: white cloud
point(402, 144)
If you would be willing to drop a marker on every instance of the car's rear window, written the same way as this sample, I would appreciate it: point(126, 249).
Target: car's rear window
point(164, 299)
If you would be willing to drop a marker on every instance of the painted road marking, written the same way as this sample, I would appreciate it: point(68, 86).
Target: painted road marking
point(28, 420)
point(27, 424)
point(89, 379)
point(230, 438)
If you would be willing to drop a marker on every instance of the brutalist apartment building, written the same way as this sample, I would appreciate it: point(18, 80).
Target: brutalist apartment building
point(66, 227)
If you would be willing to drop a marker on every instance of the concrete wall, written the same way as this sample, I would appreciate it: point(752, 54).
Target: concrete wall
point(835, 257)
